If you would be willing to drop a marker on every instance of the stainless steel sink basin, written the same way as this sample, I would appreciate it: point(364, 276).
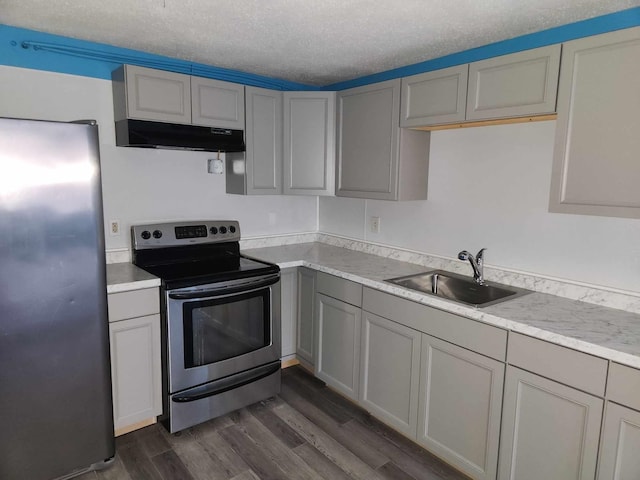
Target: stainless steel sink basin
point(459, 288)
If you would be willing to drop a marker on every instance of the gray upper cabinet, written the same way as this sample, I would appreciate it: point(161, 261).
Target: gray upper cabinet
point(309, 143)
point(215, 103)
point(148, 94)
point(596, 169)
point(459, 407)
point(520, 84)
point(375, 157)
point(264, 141)
point(549, 430)
point(434, 98)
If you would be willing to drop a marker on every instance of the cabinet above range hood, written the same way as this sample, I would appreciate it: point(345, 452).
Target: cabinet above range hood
point(159, 109)
point(144, 133)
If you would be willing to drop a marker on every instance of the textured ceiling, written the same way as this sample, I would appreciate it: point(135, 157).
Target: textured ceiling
point(315, 42)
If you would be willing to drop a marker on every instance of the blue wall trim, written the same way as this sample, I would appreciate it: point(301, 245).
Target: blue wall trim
point(585, 28)
point(42, 51)
point(24, 48)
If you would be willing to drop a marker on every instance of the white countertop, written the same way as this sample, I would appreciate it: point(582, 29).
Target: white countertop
point(605, 332)
point(122, 277)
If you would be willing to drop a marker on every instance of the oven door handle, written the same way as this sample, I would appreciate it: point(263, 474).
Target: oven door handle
point(226, 289)
point(225, 384)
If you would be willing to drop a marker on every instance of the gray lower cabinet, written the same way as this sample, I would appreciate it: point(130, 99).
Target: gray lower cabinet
point(309, 143)
point(136, 375)
point(337, 359)
point(389, 372)
point(305, 335)
point(263, 137)
point(375, 157)
point(620, 445)
point(596, 169)
point(460, 404)
point(549, 430)
point(288, 310)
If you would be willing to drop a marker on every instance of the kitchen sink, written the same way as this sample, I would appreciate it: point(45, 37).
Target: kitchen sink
point(459, 288)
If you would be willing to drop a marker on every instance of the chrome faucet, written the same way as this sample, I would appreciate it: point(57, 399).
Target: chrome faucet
point(477, 263)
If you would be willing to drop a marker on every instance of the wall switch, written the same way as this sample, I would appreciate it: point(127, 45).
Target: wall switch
point(114, 228)
point(374, 224)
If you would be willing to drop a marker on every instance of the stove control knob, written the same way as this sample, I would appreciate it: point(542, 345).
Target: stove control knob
point(232, 229)
point(223, 230)
point(146, 235)
point(213, 230)
point(157, 234)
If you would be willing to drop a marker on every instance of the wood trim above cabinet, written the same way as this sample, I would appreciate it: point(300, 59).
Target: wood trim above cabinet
point(486, 123)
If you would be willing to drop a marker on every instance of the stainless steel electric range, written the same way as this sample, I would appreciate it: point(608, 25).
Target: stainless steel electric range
point(220, 319)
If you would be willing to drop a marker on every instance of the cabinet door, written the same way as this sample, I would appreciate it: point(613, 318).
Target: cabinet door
point(306, 303)
point(459, 407)
point(434, 98)
point(158, 95)
point(135, 369)
point(368, 124)
point(309, 143)
point(264, 141)
point(549, 430)
point(338, 350)
point(390, 372)
point(217, 104)
point(289, 309)
point(596, 169)
point(619, 459)
point(523, 83)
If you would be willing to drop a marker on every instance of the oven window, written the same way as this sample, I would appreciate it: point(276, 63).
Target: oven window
point(224, 328)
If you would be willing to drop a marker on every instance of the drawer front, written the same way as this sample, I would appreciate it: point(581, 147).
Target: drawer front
point(624, 385)
point(479, 337)
point(134, 303)
point(345, 290)
point(576, 369)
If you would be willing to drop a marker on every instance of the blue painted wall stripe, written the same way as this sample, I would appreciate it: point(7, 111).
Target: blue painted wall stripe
point(24, 48)
point(42, 51)
point(585, 28)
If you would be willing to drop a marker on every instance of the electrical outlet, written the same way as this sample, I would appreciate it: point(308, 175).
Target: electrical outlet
point(374, 224)
point(114, 228)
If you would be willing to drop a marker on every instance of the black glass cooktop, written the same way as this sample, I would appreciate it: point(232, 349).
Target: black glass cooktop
point(192, 266)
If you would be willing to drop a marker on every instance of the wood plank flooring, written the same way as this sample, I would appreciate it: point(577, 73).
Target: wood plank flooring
point(308, 432)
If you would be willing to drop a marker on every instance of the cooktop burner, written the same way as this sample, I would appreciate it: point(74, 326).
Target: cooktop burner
point(194, 253)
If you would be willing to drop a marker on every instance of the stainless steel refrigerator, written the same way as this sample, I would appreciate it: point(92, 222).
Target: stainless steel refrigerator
point(56, 414)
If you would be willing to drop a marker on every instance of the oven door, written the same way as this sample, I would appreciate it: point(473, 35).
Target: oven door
point(221, 329)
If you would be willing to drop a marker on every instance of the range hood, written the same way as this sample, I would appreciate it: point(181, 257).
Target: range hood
point(143, 133)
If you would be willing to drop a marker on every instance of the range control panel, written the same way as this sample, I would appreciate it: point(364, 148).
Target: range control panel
point(184, 233)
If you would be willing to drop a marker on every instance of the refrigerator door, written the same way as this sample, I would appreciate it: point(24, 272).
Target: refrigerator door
point(55, 385)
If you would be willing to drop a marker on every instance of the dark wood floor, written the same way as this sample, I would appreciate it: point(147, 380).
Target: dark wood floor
point(307, 432)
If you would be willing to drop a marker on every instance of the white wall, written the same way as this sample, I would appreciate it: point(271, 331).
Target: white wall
point(489, 187)
point(141, 185)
